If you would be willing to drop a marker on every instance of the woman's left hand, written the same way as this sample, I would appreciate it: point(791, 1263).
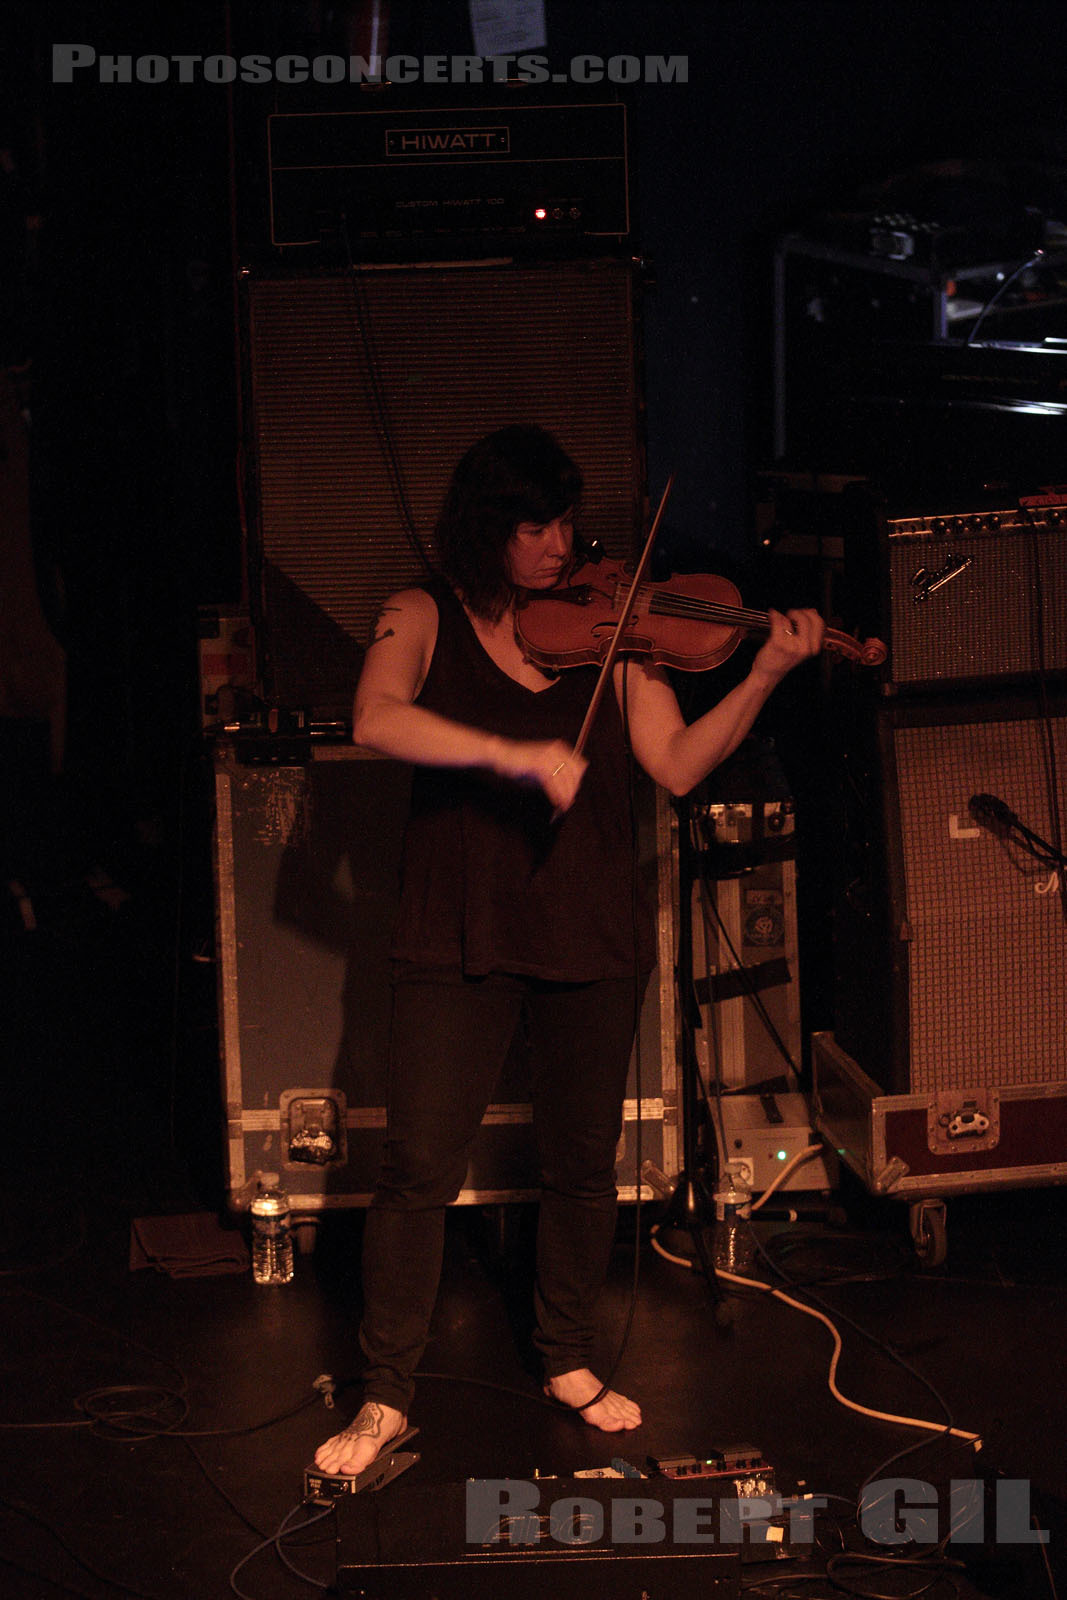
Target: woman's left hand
point(794, 637)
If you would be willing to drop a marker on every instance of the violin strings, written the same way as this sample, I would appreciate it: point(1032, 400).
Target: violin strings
point(737, 616)
point(691, 606)
point(682, 605)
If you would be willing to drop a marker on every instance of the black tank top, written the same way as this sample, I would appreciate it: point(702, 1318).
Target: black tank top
point(490, 882)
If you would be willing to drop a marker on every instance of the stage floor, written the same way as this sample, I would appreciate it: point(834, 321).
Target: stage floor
point(209, 1381)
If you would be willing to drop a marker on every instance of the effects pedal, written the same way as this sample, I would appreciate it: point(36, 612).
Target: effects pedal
point(739, 1468)
point(322, 1488)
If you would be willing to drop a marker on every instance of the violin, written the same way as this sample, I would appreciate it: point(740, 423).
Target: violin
point(694, 621)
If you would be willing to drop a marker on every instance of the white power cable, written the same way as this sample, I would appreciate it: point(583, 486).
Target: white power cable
point(811, 1311)
point(790, 1167)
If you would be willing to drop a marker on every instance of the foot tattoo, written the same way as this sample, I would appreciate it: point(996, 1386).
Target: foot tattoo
point(353, 1449)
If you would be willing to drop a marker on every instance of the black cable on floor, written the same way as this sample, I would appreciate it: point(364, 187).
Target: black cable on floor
point(136, 1423)
point(783, 1245)
point(281, 1532)
point(909, 1563)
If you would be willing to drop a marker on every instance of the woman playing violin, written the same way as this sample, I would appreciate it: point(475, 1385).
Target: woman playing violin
point(517, 902)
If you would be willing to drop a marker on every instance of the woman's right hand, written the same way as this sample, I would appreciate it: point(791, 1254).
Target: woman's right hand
point(552, 764)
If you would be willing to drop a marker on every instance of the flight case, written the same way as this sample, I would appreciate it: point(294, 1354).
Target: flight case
point(306, 863)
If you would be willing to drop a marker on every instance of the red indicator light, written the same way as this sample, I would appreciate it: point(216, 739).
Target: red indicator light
point(540, 213)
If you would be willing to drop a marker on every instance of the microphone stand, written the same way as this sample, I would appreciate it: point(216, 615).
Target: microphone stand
point(690, 1211)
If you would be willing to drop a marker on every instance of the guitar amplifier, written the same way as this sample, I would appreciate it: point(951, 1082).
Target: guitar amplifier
point(468, 171)
point(977, 597)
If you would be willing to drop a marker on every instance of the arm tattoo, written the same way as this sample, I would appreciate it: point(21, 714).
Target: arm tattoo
point(381, 632)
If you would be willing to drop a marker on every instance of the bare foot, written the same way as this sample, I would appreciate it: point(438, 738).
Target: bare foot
point(347, 1453)
point(613, 1413)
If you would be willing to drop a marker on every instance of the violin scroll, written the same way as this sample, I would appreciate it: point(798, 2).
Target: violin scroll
point(861, 652)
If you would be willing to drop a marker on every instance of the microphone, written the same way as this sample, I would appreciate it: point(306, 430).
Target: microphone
point(991, 813)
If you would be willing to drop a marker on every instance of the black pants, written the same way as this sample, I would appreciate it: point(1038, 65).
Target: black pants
point(449, 1041)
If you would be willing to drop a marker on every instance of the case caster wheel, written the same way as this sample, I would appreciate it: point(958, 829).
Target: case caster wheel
point(928, 1231)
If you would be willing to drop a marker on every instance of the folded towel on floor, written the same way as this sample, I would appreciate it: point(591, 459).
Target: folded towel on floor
point(195, 1245)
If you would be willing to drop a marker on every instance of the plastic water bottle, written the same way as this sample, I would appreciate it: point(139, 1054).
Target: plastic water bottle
point(272, 1235)
point(734, 1247)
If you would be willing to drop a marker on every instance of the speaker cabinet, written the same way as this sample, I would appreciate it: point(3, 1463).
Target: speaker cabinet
point(307, 878)
point(951, 934)
point(363, 390)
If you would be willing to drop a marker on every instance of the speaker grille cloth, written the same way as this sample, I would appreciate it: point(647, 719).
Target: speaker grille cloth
point(440, 356)
point(988, 950)
point(990, 620)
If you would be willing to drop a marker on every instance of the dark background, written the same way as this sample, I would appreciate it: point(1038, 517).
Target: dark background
point(118, 270)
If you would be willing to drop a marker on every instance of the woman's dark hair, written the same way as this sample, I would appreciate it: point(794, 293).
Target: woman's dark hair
point(517, 474)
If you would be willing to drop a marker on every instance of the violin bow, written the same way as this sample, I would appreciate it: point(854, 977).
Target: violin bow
point(616, 638)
